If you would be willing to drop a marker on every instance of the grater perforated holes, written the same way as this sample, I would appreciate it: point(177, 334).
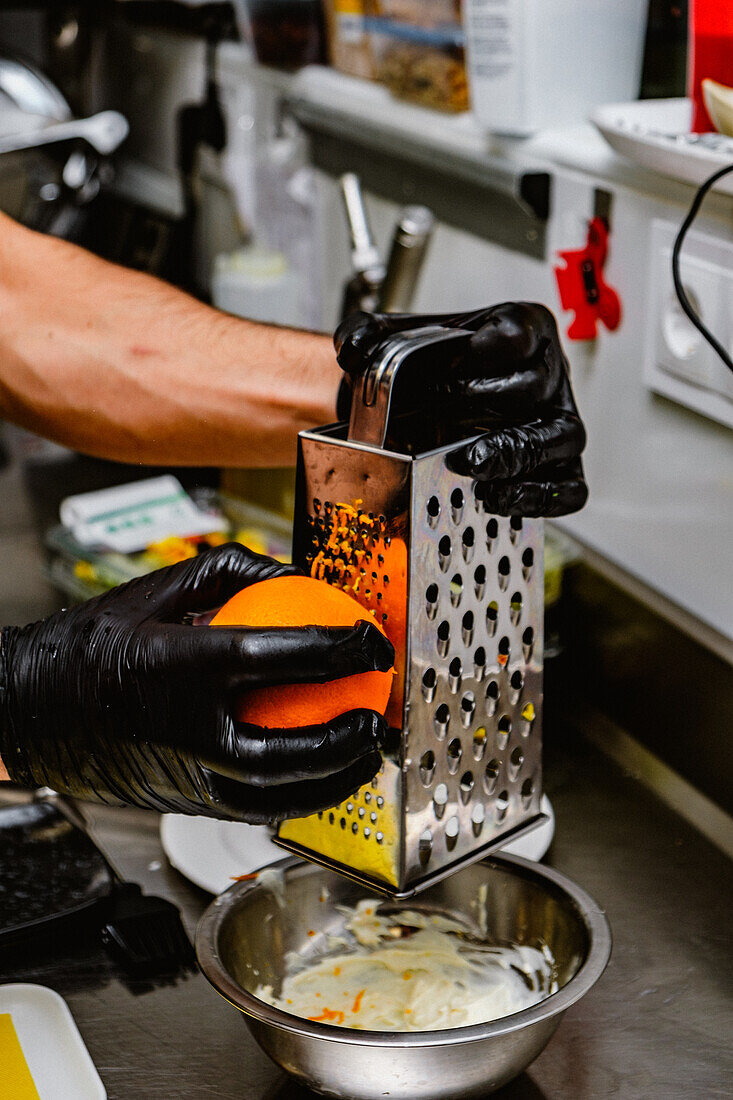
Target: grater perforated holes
point(479, 743)
point(528, 643)
point(454, 754)
point(515, 763)
point(492, 698)
point(456, 589)
point(516, 685)
point(468, 544)
point(502, 805)
point(527, 563)
point(491, 776)
point(479, 664)
point(504, 569)
point(515, 608)
point(425, 846)
point(455, 675)
point(504, 650)
point(367, 833)
point(361, 812)
point(380, 802)
point(440, 800)
point(379, 837)
point(515, 526)
point(492, 616)
point(467, 628)
point(528, 717)
point(367, 797)
point(331, 818)
point(479, 581)
point(452, 828)
point(441, 721)
point(427, 767)
point(433, 511)
point(478, 815)
point(373, 818)
point(503, 729)
point(457, 502)
point(429, 680)
point(431, 600)
point(468, 708)
point(443, 639)
point(492, 532)
point(349, 807)
point(444, 553)
point(527, 792)
point(342, 822)
point(465, 788)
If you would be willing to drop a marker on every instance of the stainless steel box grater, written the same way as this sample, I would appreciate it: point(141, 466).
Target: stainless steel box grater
point(460, 593)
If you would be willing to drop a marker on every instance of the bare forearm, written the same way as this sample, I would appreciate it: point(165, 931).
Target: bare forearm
point(120, 365)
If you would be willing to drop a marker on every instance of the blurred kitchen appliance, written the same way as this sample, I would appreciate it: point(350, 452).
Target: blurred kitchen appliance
point(374, 286)
point(548, 63)
point(459, 591)
point(710, 54)
point(363, 288)
point(406, 258)
point(35, 115)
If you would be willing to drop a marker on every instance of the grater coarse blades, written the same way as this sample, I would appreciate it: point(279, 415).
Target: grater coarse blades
point(459, 591)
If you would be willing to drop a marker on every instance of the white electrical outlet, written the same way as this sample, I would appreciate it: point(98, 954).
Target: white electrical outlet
point(679, 362)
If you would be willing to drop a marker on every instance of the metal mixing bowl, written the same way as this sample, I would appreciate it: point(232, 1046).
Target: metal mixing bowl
point(245, 934)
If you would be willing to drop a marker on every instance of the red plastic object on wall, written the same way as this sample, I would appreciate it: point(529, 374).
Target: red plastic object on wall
point(582, 286)
point(710, 54)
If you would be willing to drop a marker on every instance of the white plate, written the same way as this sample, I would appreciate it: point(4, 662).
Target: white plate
point(54, 1051)
point(656, 134)
point(211, 853)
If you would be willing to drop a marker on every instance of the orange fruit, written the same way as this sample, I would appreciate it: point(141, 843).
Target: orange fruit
point(303, 601)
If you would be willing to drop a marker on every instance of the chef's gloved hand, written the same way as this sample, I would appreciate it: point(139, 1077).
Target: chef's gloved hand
point(119, 701)
point(513, 380)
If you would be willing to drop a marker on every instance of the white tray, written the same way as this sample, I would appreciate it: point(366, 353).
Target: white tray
point(656, 134)
point(212, 853)
point(54, 1051)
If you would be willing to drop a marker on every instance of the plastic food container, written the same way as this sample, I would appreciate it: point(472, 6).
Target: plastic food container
point(418, 48)
point(286, 34)
point(534, 64)
point(349, 44)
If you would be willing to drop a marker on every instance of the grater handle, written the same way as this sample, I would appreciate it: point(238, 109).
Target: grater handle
point(372, 399)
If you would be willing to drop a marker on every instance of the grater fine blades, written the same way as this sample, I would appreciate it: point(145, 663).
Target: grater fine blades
point(459, 591)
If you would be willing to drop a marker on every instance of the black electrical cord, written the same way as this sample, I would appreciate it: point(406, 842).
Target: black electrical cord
point(684, 301)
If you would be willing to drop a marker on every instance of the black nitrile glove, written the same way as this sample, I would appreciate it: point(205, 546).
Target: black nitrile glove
point(512, 379)
point(119, 701)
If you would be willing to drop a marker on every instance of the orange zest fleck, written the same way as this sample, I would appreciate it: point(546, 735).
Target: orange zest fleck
point(408, 1011)
point(336, 971)
point(407, 975)
point(311, 932)
point(329, 1016)
point(244, 878)
point(357, 1002)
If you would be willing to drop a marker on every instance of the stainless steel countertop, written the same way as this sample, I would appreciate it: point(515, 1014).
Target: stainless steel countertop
point(656, 1027)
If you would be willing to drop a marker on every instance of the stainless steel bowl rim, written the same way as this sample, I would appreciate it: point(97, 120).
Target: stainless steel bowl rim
point(599, 952)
